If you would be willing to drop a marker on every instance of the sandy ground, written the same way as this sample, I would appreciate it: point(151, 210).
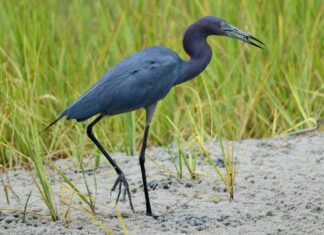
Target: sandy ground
point(279, 190)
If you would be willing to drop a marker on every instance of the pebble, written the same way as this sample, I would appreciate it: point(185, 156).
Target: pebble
point(193, 221)
point(269, 213)
point(222, 218)
point(8, 220)
point(153, 184)
point(219, 162)
point(165, 186)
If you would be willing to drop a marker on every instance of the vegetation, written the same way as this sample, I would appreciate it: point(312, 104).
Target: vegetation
point(53, 51)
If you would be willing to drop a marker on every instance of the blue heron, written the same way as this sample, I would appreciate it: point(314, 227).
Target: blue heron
point(143, 79)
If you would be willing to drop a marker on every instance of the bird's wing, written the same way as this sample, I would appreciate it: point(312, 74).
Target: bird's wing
point(136, 82)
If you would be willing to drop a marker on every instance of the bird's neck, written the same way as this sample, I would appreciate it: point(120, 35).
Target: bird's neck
point(196, 46)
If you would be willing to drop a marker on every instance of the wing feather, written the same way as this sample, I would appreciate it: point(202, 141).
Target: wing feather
point(136, 82)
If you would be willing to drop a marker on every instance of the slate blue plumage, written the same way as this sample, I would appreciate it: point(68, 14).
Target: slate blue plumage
point(138, 81)
point(143, 79)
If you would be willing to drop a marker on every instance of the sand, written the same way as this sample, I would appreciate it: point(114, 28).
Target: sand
point(279, 189)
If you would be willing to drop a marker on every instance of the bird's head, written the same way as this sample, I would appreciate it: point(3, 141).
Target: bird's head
point(217, 26)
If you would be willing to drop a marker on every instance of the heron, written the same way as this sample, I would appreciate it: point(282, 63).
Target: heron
point(142, 80)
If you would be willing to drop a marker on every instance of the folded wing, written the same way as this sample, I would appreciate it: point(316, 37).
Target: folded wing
point(138, 81)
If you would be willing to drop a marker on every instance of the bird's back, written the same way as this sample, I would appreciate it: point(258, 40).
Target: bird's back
point(138, 81)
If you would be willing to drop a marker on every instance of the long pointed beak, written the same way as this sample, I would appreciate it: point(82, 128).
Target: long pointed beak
point(233, 32)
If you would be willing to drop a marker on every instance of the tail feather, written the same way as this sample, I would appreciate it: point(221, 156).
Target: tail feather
point(52, 123)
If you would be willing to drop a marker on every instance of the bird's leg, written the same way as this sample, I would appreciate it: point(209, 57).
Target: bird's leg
point(149, 114)
point(121, 180)
point(142, 162)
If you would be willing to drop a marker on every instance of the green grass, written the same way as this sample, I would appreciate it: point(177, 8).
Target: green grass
point(53, 51)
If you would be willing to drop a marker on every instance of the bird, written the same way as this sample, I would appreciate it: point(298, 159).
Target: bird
point(142, 80)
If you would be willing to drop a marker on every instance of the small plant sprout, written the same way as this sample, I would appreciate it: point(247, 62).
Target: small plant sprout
point(228, 175)
point(43, 185)
point(25, 208)
point(184, 157)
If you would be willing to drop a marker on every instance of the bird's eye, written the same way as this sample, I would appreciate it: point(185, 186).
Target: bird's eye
point(222, 24)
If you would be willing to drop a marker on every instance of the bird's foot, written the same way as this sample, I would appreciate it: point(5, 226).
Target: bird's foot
point(152, 215)
point(149, 213)
point(122, 182)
